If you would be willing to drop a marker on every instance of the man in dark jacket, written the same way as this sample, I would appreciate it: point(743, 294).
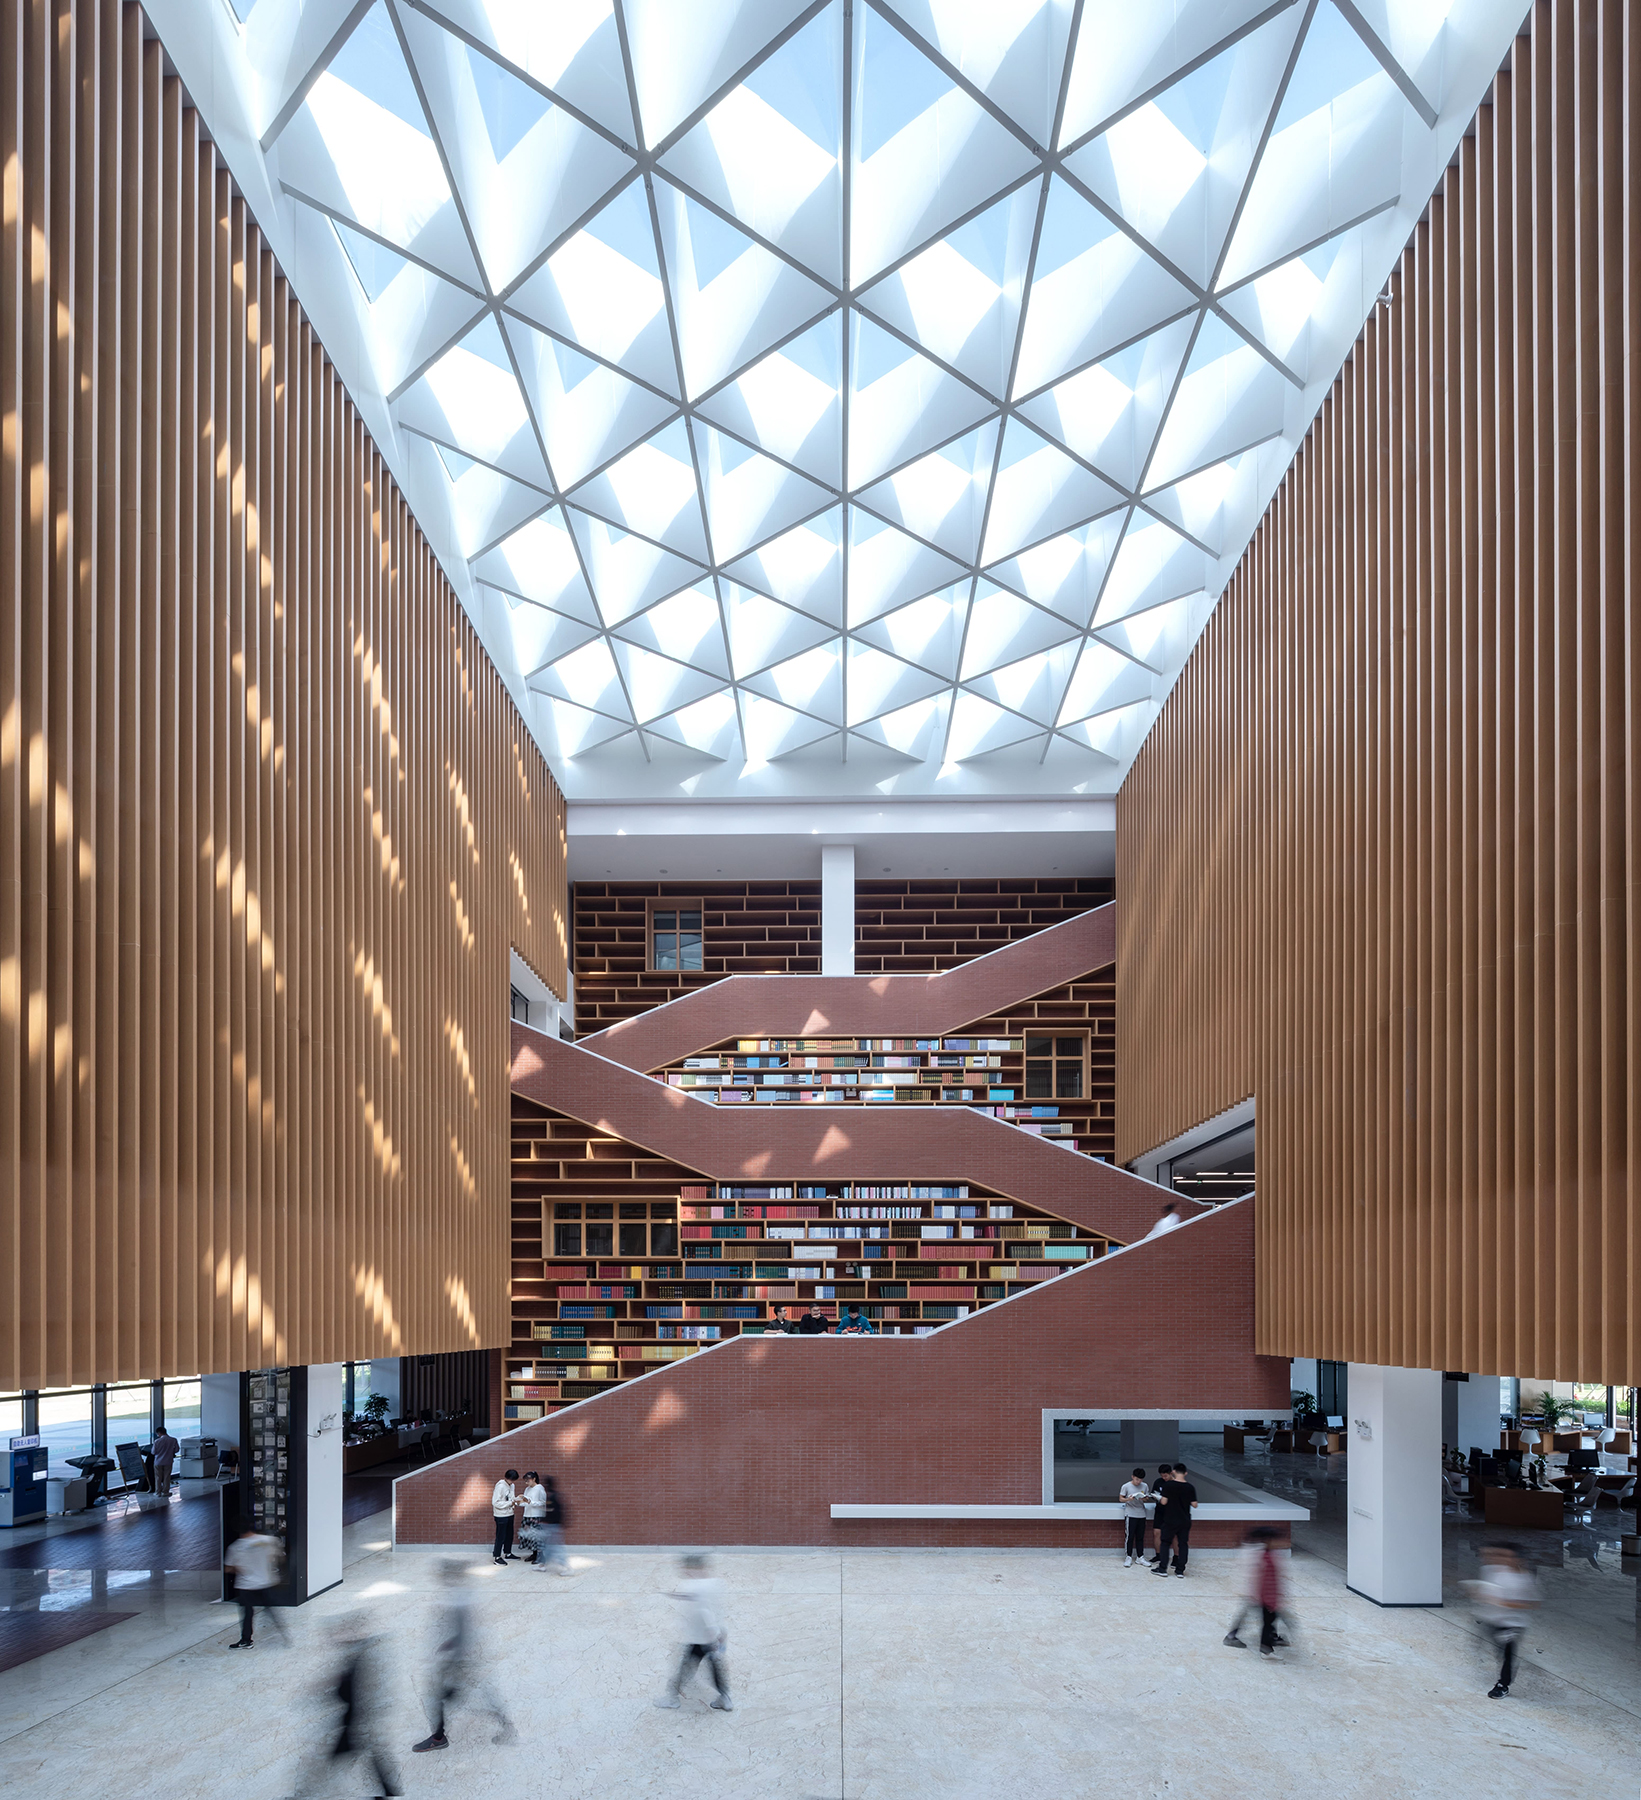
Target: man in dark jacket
point(1176, 1501)
point(814, 1323)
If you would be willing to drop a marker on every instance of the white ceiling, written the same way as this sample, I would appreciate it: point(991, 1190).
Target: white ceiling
point(867, 397)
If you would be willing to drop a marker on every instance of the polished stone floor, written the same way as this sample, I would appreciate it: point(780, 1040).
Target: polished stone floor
point(860, 1675)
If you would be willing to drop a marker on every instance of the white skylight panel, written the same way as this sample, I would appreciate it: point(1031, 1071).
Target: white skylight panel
point(928, 632)
point(1228, 398)
point(880, 683)
point(628, 573)
point(887, 568)
point(540, 636)
point(479, 396)
point(1038, 492)
point(733, 298)
point(789, 402)
point(762, 631)
point(1095, 289)
point(539, 562)
point(980, 726)
point(811, 682)
point(925, 152)
point(902, 404)
point(802, 567)
point(968, 465)
point(687, 627)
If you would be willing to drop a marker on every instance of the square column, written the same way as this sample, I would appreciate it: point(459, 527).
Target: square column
point(1394, 1485)
point(837, 909)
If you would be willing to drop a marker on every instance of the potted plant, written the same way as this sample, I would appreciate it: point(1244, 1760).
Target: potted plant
point(1558, 1413)
point(1304, 1409)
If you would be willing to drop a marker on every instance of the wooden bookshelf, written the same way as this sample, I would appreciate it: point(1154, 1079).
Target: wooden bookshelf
point(689, 1262)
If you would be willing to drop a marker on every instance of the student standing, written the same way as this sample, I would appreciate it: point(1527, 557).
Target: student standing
point(1176, 1501)
point(1505, 1595)
point(1135, 1492)
point(533, 1502)
point(700, 1598)
point(257, 1562)
point(502, 1503)
point(1165, 1473)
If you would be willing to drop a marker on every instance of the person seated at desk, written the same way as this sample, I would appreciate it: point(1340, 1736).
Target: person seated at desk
point(814, 1323)
point(856, 1324)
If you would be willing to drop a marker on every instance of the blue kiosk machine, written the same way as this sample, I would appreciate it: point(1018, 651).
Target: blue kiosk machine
point(23, 1498)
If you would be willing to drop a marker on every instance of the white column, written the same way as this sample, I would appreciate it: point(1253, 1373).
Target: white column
point(324, 1460)
point(1394, 1485)
point(837, 909)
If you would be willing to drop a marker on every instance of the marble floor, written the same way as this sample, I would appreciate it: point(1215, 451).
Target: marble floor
point(858, 1675)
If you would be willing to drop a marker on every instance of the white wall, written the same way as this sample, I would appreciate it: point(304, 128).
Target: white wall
point(219, 1409)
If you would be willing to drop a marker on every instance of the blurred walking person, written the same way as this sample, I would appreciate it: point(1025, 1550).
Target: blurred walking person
point(257, 1564)
point(1133, 1496)
point(700, 1598)
point(549, 1529)
point(1504, 1597)
point(1264, 1591)
point(457, 1677)
point(359, 1689)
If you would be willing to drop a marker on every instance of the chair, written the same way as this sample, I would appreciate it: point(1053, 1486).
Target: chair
point(425, 1446)
point(1620, 1497)
point(1582, 1500)
point(1451, 1495)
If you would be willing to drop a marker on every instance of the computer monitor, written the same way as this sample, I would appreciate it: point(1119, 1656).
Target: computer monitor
point(1583, 1459)
point(1336, 1421)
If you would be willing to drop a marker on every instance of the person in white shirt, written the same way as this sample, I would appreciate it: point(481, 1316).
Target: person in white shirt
point(1170, 1221)
point(502, 1504)
point(1506, 1594)
point(533, 1505)
point(257, 1563)
point(700, 1598)
point(1133, 1496)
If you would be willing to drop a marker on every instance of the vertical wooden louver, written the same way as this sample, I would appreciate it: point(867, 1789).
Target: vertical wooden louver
point(269, 820)
point(1377, 860)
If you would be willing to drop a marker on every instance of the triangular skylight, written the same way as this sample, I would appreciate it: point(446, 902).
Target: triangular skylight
point(908, 373)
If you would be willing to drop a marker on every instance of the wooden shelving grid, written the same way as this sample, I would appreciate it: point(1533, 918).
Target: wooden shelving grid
point(664, 1262)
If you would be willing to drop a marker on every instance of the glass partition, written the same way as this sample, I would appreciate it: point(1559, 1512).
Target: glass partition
point(182, 1407)
point(65, 1422)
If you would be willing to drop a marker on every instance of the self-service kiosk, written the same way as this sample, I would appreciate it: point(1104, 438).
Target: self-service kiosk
point(23, 1498)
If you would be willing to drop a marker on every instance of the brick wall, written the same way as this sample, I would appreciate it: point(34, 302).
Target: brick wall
point(752, 1442)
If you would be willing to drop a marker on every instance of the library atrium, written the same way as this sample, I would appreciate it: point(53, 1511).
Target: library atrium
point(512, 510)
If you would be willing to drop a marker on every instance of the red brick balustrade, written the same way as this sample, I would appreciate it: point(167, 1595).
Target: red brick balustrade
point(753, 1441)
point(746, 1006)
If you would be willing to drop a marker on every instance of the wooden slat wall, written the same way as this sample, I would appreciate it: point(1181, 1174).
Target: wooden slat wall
point(1377, 861)
point(268, 818)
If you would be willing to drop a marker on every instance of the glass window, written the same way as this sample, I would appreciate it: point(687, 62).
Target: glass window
point(182, 1407)
point(631, 1211)
point(632, 1240)
point(65, 1422)
point(675, 938)
point(664, 1240)
point(566, 1240)
point(130, 1415)
point(1055, 1067)
point(566, 1210)
point(600, 1240)
point(600, 1211)
point(11, 1415)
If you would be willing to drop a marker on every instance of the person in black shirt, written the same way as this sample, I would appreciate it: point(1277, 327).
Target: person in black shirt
point(814, 1323)
point(778, 1321)
point(1176, 1501)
